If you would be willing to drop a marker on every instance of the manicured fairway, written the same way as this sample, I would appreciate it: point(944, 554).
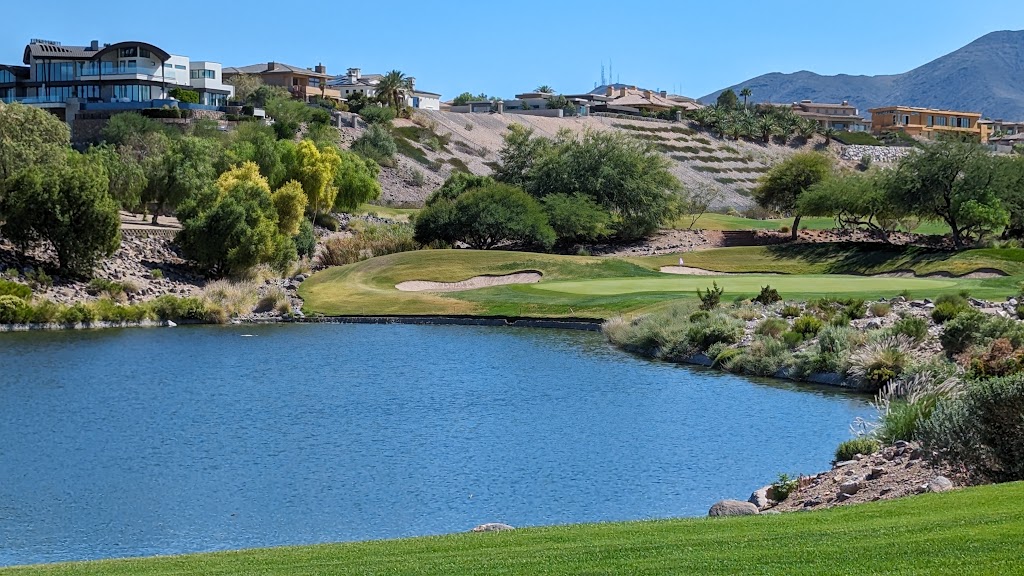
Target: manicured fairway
point(970, 531)
point(750, 284)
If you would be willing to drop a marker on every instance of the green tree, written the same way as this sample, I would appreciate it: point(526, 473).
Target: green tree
point(728, 100)
point(356, 181)
point(184, 95)
point(376, 144)
point(377, 115)
point(456, 184)
point(67, 206)
point(127, 126)
point(956, 182)
point(545, 89)
point(746, 93)
point(516, 158)
point(487, 217)
point(315, 169)
point(29, 137)
point(782, 186)
point(255, 142)
point(182, 172)
point(290, 206)
point(356, 102)
point(854, 200)
point(576, 218)
point(245, 86)
point(126, 175)
point(463, 99)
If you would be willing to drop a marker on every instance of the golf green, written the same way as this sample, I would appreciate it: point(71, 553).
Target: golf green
point(743, 284)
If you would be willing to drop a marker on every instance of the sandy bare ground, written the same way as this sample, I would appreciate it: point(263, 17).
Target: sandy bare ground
point(527, 277)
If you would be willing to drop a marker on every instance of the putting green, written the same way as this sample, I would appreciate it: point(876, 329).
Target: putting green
point(741, 284)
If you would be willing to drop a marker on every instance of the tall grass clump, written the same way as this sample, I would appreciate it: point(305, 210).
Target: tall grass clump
point(881, 361)
point(368, 241)
point(861, 445)
point(904, 406)
point(764, 357)
point(225, 299)
point(675, 333)
point(831, 353)
point(275, 300)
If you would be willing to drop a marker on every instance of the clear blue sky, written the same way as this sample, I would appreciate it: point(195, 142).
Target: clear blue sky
point(502, 48)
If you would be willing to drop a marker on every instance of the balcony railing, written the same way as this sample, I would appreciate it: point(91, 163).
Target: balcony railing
point(95, 70)
point(34, 99)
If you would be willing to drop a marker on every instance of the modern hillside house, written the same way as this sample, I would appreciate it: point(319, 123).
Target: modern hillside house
point(841, 117)
point(126, 75)
point(303, 83)
point(355, 82)
point(927, 122)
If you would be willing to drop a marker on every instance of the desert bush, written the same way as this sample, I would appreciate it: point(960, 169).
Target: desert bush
point(377, 114)
point(912, 327)
point(79, 313)
point(982, 430)
point(377, 144)
point(327, 221)
point(949, 306)
point(861, 445)
point(792, 339)
point(156, 274)
point(768, 296)
point(784, 229)
point(807, 326)
point(305, 240)
point(13, 310)
point(229, 299)
point(764, 357)
point(715, 329)
point(880, 362)
point(275, 300)
point(831, 353)
point(38, 279)
point(790, 311)
point(853, 309)
point(369, 241)
point(417, 178)
point(111, 311)
point(168, 307)
point(1001, 359)
point(784, 486)
point(8, 288)
point(772, 327)
point(45, 312)
point(880, 309)
point(710, 297)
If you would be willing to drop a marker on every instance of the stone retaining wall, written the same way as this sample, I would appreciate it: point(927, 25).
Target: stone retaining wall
point(881, 154)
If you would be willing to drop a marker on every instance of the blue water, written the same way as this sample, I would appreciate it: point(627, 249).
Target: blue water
point(161, 441)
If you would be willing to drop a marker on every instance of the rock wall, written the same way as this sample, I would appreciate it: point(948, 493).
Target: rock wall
point(881, 154)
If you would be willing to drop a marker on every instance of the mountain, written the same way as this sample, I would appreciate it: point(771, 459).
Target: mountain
point(985, 76)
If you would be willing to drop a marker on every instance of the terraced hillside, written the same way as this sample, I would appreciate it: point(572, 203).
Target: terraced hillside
point(439, 142)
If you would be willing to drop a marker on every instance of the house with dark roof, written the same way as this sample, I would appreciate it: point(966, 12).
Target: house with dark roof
point(68, 79)
point(355, 82)
point(302, 83)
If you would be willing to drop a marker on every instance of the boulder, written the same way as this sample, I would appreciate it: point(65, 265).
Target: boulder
point(492, 527)
point(876, 473)
point(940, 484)
point(851, 487)
point(760, 498)
point(732, 508)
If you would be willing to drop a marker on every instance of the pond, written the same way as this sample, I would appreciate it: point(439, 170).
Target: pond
point(172, 440)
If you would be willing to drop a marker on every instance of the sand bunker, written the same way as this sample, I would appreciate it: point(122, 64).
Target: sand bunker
point(525, 277)
point(977, 274)
point(688, 271)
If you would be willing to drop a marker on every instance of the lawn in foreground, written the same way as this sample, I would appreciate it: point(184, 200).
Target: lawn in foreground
point(970, 531)
point(635, 284)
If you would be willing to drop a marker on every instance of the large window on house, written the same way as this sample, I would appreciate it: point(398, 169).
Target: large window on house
point(132, 92)
point(314, 82)
point(6, 77)
point(143, 53)
point(129, 52)
point(197, 74)
point(58, 71)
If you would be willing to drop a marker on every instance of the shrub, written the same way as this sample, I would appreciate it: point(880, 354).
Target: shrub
point(715, 329)
point(8, 288)
point(79, 313)
point(327, 221)
point(831, 353)
point(1001, 359)
point(807, 326)
point(768, 296)
point(784, 229)
point(772, 327)
point(784, 486)
point(275, 300)
point(880, 309)
point(372, 240)
point(764, 357)
point(963, 332)
point(38, 279)
point(711, 297)
point(485, 217)
point(168, 307)
point(45, 312)
point(881, 361)
point(375, 115)
point(417, 178)
point(13, 310)
point(230, 299)
point(912, 327)
point(982, 430)
point(792, 339)
point(184, 95)
point(949, 306)
point(904, 405)
point(790, 311)
point(156, 274)
point(305, 240)
point(861, 445)
point(853, 309)
point(377, 144)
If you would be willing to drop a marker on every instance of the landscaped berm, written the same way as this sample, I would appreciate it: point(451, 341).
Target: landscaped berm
point(589, 287)
point(969, 531)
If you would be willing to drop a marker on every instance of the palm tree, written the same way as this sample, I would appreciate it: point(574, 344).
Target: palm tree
point(807, 128)
point(721, 118)
point(746, 93)
point(545, 89)
point(829, 133)
point(703, 116)
point(766, 126)
point(391, 89)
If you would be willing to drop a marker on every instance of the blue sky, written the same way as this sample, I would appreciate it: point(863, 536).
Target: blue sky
point(502, 48)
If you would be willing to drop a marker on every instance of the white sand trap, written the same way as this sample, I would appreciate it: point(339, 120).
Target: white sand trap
point(689, 271)
point(526, 277)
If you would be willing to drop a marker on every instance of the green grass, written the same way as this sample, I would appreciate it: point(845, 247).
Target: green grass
point(970, 531)
point(857, 138)
point(603, 287)
point(711, 221)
